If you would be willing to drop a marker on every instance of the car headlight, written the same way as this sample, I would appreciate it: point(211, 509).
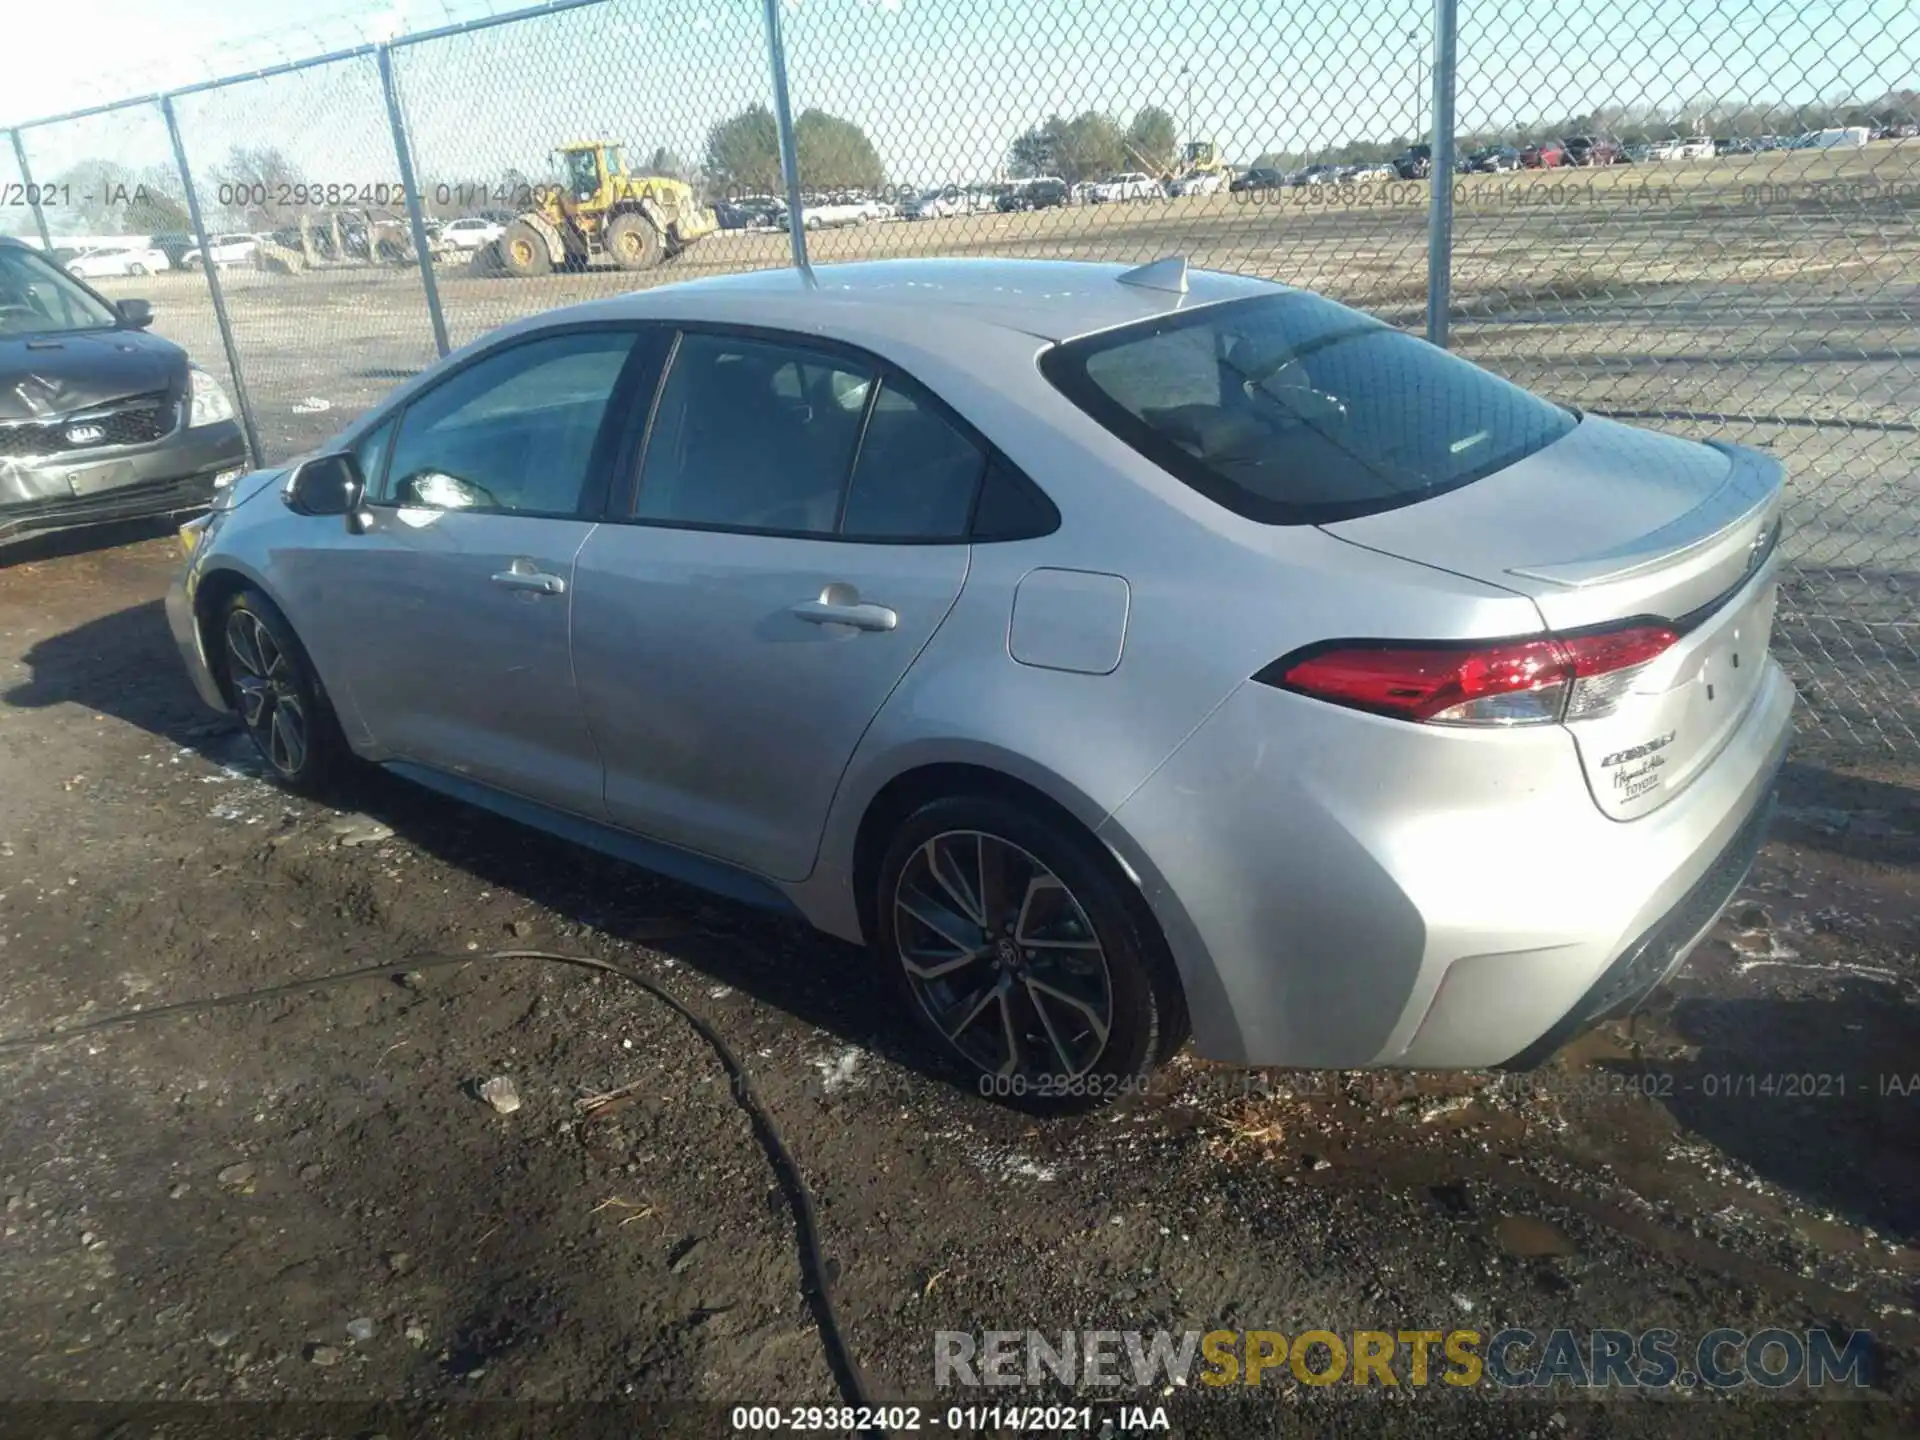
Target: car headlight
point(207, 402)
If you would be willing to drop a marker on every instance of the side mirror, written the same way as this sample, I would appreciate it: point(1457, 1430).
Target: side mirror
point(325, 485)
point(134, 314)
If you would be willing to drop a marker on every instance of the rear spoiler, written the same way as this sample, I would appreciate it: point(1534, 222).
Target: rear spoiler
point(1751, 492)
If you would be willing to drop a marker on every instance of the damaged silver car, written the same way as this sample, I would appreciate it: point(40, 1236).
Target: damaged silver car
point(99, 420)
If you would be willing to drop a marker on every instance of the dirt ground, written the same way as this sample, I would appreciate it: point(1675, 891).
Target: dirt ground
point(305, 1201)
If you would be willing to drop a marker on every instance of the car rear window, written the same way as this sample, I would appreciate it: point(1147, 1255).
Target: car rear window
point(1293, 410)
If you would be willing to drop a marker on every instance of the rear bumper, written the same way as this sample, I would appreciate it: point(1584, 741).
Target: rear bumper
point(171, 478)
point(1652, 959)
point(1340, 890)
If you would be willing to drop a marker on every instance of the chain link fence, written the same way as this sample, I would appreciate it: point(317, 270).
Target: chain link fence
point(1700, 218)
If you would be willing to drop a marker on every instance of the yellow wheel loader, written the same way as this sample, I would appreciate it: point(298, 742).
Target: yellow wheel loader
point(599, 213)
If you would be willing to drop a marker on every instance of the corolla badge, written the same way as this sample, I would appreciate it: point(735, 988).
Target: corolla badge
point(85, 434)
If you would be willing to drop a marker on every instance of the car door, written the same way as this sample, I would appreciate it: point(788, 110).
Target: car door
point(450, 614)
point(795, 536)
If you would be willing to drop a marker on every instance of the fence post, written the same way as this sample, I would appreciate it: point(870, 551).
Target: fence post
point(1446, 19)
point(32, 191)
point(403, 149)
point(212, 270)
point(789, 152)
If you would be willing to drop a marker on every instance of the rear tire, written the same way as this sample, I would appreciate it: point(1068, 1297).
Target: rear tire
point(523, 251)
point(633, 242)
point(1016, 944)
point(278, 696)
point(136, 270)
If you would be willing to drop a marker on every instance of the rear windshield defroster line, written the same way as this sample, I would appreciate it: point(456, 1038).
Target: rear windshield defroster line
point(1290, 409)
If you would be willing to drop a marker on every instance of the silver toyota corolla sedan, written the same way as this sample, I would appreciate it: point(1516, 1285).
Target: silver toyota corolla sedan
point(1118, 653)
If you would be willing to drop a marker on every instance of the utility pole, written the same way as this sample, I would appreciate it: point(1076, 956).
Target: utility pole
point(1419, 43)
point(1186, 74)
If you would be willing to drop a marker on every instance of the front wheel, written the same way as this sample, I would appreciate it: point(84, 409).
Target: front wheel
point(1018, 946)
point(633, 242)
point(523, 251)
point(277, 695)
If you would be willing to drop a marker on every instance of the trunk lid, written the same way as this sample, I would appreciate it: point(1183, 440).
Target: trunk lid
point(1611, 524)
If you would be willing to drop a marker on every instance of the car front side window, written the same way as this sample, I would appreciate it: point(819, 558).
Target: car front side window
point(514, 432)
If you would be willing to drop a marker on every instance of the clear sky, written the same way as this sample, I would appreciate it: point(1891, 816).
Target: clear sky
point(941, 86)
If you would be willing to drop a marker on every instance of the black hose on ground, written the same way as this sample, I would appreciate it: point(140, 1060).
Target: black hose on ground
point(815, 1283)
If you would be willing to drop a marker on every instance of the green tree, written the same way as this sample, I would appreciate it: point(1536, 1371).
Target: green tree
point(1090, 146)
point(1085, 147)
point(836, 154)
point(1032, 152)
point(1153, 138)
point(743, 153)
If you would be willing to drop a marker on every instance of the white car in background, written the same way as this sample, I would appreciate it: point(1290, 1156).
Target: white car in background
point(470, 233)
point(1130, 185)
point(1205, 183)
point(828, 214)
point(231, 249)
point(1695, 149)
point(1840, 138)
point(105, 261)
point(939, 205)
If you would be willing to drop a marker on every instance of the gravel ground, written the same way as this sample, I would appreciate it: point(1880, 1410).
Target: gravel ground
point(306, 1200)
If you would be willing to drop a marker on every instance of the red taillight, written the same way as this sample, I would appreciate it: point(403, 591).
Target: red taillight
point(1516, 682)
point(1605, 651)
point(1605, 663)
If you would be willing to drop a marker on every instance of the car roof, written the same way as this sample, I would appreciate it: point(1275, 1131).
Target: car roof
point(1050, 299)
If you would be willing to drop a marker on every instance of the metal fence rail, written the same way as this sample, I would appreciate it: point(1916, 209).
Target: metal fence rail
point(1736, 279)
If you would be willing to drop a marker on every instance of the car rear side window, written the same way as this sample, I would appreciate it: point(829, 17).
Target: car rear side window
point(751, 435)
point(916, 475)
point(1293, 410)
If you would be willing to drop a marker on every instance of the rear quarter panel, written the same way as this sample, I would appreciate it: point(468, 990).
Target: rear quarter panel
point(1213, 599)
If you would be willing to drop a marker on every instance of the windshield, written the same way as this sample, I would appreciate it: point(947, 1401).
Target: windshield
point(38, 298)
point(583, 174)
point(1290, 409)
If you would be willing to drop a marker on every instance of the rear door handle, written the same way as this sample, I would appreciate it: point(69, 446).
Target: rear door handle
point(522, 575)
point(860, 616)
